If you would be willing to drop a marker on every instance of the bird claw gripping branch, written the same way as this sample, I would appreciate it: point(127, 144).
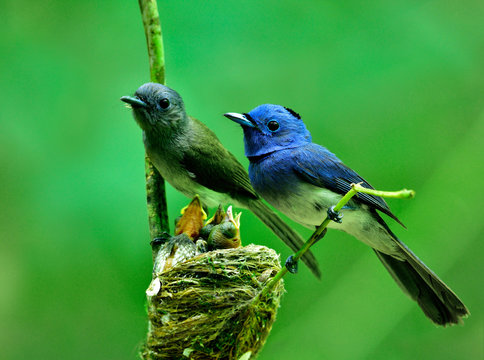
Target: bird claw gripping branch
point(160, 240)
point(291, 265)
point(336, 216)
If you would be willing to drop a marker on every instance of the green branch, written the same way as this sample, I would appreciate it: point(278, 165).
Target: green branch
point(402, 194)
point(155, 185)
point(319, 233)
point(154, 39)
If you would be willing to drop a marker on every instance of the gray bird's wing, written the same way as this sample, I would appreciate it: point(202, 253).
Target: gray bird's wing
point(214, 167)
point(318, 166)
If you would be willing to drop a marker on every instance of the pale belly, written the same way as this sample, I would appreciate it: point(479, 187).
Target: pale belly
point(309, 208)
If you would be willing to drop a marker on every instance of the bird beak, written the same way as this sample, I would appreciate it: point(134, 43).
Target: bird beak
point(241, 119)
point(134, 101)
point(234, 220)
point(218, 217)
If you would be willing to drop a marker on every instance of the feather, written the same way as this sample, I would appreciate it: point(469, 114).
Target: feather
point(317, 166)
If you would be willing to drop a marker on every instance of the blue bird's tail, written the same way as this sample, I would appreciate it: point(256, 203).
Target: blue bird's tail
point(438, 302)
point(290, 237)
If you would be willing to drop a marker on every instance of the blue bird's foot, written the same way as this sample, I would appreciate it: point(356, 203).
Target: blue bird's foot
point(160, 240)
point(291, 265)
point(336, 216)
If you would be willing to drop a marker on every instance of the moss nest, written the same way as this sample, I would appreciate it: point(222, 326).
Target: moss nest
point(205, 306)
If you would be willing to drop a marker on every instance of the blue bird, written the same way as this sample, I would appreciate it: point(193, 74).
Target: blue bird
point(303, 180)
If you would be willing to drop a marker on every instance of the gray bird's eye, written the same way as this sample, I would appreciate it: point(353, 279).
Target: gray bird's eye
point(164, 103)
point(273, 125)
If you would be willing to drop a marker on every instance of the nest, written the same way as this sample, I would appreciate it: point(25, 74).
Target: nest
point(205, 306)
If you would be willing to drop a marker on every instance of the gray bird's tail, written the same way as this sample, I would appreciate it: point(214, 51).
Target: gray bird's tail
point(290, 237)
point(438, 302)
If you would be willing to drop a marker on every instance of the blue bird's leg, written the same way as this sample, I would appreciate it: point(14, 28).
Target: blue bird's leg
point(291, 265)
point(336, 216)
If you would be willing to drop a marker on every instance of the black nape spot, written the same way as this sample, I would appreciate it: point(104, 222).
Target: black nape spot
point(293, 113)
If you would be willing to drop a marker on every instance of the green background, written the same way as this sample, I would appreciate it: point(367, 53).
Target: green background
point(394, 88)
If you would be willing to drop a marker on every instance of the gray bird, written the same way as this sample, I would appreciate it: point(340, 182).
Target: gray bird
point(192, 159)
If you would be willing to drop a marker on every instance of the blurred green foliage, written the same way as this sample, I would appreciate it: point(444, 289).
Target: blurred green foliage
point(395, 89)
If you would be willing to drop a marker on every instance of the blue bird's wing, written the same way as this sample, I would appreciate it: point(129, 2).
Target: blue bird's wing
point(317, 166)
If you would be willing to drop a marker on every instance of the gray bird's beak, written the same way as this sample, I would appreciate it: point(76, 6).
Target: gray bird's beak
point(134, 101)
point(241, 119)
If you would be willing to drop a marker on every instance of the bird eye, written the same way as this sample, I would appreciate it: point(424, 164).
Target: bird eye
point(164, 103)
point(273, 125)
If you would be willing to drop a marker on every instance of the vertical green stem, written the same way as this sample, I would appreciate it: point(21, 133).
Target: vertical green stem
point(154, 39)
point(155, 185)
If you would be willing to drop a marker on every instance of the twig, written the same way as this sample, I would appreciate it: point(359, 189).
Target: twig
point(317, 235)
point(155, 185)
point(154, 39)
point(402, 194)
